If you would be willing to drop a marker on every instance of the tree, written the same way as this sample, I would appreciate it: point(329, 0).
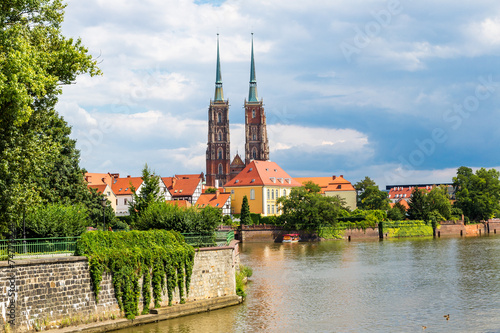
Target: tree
point(56, 220)
point(149, 193)
point(312, 187)
point(373, 198)
point(211, 190)
point(418, 206)
point(245, 212)
point(307, 210)
point(35, 60)
point(477, 195)
point(397, 212)
point(439, 202)
point(364, 184)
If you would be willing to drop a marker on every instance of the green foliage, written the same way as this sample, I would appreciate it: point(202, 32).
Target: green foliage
point(364, 184)
point(159, 215)
point(269, 220)
point(406, 228)
point(331, 232)
point(362, 219)
point(439, 202)
point(304, 210)
point(162, 258)
point(56, 220)
point(149, 194)
point(212, 190)
point(477, 195)
point(241, 280)
point(397, 212)
point(418, 205)
point(245, 212)
point(373, 198)
point(312, 187)
point(38, 160)
point(227, 220)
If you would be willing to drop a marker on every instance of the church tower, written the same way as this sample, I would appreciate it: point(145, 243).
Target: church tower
point(218, 154)
point(256, 144)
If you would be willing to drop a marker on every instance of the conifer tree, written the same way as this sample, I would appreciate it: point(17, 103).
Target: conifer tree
point(245, 212)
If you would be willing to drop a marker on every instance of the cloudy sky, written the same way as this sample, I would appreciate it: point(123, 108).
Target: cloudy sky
point(402, 91)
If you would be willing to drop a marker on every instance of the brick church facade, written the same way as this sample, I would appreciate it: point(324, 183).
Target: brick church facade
point(219, 168)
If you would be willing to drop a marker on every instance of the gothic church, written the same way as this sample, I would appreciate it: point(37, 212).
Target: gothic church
point(219, 168)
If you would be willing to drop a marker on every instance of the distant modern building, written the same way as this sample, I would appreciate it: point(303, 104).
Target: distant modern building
point(334, 186)
point(263, 182)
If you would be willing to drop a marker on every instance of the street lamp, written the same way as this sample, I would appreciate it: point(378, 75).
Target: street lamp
point(104, 202)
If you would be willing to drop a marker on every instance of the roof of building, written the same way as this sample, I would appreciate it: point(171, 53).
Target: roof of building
point(329, 184)
point(122, 186)
point(213, 199)
point(237, 161)
point(182, 185)
point(99, 187)
point(403, 202)
point(179, 203)
point(94, 178)
point(258, 173)
point(406, 191)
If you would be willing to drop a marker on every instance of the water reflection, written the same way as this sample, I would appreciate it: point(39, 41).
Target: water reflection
point(390, 286)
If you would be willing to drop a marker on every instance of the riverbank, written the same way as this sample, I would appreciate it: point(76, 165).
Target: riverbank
point(156, 315)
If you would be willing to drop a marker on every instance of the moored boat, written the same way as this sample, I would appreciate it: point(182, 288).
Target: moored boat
point(291, 238)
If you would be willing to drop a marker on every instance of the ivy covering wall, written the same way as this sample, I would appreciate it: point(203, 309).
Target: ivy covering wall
point(162, 258)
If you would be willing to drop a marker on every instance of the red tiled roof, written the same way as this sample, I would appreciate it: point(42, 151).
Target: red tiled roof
point(402, 202)
point(262, 173)
point(182, 185)
point(121, 186)
point(211, 199)
point(405, 192)
point(329, 184)
point(98, 178)
point(99, 187)
point(179, 203)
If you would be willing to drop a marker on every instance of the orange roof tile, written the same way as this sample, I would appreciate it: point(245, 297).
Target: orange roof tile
point(121, 186)
point(98, 178)
point(179, 203)
point(262, 173)
point(211, 199)
point(99, 187)
point(406, 191)
point(182, 185)
point(329, 184)
point(402, 202)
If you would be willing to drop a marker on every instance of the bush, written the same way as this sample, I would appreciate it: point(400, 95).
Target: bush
point(56, 220)
point(241, 280)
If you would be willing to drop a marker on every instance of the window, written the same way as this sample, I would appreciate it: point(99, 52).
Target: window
point(284, 193)
point(219, 117)
point(108, 194)
point(253, 113)
point(232, 191)
point(219, 153)
point(272, 209)
point(268, 210)
point(252, 194)
point(254, 137)
point(254, 154)
point(219, 136)
point(272, 194)
point(220, 169)
point(268, 193)
point(277, 194)
point(116, 201)
point(124, 201)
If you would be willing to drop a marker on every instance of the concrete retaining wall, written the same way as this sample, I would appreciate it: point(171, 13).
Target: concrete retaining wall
point(53, 289)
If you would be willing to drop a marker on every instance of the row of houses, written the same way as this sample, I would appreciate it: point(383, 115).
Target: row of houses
point(262, 182)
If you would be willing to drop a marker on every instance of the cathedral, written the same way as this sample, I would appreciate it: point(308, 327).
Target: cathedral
point(220, 169)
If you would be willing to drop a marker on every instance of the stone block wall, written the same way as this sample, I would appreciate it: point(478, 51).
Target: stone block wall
point(56, 288)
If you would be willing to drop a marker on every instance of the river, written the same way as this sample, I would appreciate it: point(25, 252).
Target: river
point(396, 285)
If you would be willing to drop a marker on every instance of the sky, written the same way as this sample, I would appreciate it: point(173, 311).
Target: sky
point(402, 91)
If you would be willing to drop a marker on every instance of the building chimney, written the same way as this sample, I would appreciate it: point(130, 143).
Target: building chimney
point(128, 176)
point(334, 177)
point(217, 192)
point(174, 180)
point(341, 176)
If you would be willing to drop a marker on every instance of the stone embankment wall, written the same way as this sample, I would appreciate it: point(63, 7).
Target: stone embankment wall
point(49, 290)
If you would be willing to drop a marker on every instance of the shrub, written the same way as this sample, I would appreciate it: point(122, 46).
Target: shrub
point(56, 220)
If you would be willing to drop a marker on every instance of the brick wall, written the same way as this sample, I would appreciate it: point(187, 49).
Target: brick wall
point(56, 288)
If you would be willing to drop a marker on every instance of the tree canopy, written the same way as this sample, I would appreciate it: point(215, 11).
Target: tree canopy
point(38, 161)
point(373, 198)
point(149, 192)
point(477, 194)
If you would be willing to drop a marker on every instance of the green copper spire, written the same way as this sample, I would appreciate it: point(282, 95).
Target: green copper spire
point(252, 93)
point(219, 94)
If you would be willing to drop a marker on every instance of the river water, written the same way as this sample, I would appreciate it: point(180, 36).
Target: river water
point(399, 285)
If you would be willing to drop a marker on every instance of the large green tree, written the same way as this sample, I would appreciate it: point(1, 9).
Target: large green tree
point(37, 158)
point(245, 212)
point(309, 210)
point(372, 198)
point(439, 202)
point(418, 205)
point(477, 194)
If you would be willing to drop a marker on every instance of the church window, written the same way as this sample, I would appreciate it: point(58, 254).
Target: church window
point(220, 169)
point(252, 194)
point(253, 113)
point(254, 154)
point(254, 137)
point(219, 153)
point(219, 136)
point(219, 117)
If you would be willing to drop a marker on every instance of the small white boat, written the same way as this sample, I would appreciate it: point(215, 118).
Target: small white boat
point(291, 238)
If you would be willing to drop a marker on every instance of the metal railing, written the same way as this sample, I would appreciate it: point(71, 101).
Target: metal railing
point(38, 247)
point(218, 238)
